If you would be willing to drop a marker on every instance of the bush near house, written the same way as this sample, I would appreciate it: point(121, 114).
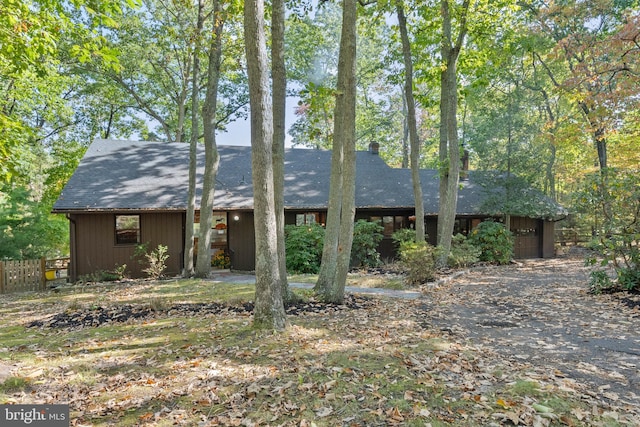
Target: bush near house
point(418, 261)
point(304, 248)
point(463, 252)
point(367, 236)
point(494, 241)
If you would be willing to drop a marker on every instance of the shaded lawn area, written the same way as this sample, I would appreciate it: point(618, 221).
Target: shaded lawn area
point(372, 363)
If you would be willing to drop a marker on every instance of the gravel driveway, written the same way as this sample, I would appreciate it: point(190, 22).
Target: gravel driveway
point(540, 312)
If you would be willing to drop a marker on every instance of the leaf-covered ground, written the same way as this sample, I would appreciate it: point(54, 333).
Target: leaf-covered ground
point(471, 352)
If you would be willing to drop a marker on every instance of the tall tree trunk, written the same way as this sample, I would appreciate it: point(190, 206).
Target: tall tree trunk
point(550, 181)
point(412, 123)
point(279, 88)
point(269, 308)
point(189, 270)
point(599, 138)
point(336, 254)
point(405, 133)
point(212, 159)
point(449, 150)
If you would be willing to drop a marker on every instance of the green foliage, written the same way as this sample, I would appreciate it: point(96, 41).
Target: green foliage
point(612, 197)
point(155, 259)
point(366, 238)
point(304, 248)
point(27, 229)
point(599, 281)
point(494, 241)
point(118, 273)
point(404, 235)
point(419, 261)
point(509, 194)
point(463, 252)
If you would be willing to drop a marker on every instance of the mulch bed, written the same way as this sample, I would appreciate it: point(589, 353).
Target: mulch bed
point(97, 316)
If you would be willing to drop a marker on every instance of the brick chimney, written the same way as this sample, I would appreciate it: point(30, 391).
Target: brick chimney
point(374, 148)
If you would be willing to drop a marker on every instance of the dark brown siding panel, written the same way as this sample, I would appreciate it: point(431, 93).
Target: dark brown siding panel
point(242, 246)
point(548, 239)
point(431, 229)
point(96, 249)
point(528, 237)
point(164, 229)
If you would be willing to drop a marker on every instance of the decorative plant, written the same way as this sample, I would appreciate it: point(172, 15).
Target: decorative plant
point(404, 235)
point(418, 261)
point(304, 248)
point(155, 259)
point(494, 240)
point(463, 252)
point(221, 260)
point(366, 238)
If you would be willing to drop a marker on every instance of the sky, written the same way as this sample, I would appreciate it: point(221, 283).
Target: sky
point(239, 132)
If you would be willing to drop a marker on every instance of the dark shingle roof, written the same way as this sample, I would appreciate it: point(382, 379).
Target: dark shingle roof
point(126, 175)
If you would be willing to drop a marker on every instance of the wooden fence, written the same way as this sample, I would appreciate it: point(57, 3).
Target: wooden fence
point(30, 275)
point(572, 236)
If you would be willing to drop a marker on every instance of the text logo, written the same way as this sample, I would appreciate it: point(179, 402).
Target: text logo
point(34, 415)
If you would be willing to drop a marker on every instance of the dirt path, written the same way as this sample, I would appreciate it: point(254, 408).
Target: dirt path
point(540, 312)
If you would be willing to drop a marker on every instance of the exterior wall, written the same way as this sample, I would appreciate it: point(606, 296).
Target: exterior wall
point(93, 245)
point(242, 244)
point(548, 239)
point(94, 249)
point(528, 237)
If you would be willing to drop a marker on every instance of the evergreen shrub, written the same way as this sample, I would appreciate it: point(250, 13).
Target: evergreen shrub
point(494, 241)
point(463, 252)
point(367, 236)
point(304, 248)
point(418, 261)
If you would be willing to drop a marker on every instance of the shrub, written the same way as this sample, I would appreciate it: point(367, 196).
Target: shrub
point(419, 261)
point(155, 260)
point(304, 248)
point(366, 238)
point(600, 282)
point(494, 241)
point(612, 197)
point(463, 252)
point(404, 235)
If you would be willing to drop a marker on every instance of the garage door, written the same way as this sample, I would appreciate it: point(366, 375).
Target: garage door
point(528, 237)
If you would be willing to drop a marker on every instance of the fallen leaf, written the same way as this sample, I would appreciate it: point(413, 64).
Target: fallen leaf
point(325, 411)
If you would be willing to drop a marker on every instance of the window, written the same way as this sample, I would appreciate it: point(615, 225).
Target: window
point(390, 224)
point(462, 226)
point(127, 229)
point(308, 218)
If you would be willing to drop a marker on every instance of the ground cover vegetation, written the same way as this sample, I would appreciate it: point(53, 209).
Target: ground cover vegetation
point(183, 352)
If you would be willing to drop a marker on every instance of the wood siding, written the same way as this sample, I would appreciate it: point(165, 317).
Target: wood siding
point(94, 243)
point(528, 237)
point(548, 239)
point(242, 244)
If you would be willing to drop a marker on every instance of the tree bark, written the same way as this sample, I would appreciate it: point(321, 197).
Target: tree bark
point(212, 159)
point(279, 88)
point(269, 308)
point(412, 123)
point(336, 254)
point(189, 270)
point(449, 151)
